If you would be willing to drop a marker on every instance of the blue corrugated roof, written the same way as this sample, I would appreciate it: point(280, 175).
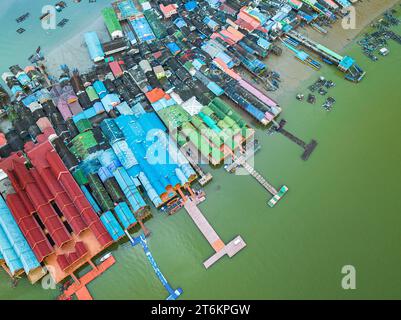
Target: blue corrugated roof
point(173, 47)
point(110, 101)
point(142, 29)
point(191, 5)
point(142, 137)
point(347, 62)
point(94, 46)
point(127, 8)
point(112, 225)
point(215, 88)
point(16, 238)
point(180, 22)
point(9, 254)
point(91, 200)
point(125, 215)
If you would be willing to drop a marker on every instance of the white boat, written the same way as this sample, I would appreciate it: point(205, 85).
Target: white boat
point(105, 257)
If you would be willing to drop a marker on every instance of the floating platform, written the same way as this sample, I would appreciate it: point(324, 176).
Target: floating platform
point(231, 249)
point(173, 294)
point(273, 201)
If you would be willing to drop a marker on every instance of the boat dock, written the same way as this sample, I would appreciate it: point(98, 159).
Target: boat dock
point(308, 148)
point(346, 64)
point(79, 289)
point(315, 47)
point(242, 161)
point(221, 249)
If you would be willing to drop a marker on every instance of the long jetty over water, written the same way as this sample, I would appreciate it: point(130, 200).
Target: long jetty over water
point(308, 148)
point(242, 161)
point(221, 249)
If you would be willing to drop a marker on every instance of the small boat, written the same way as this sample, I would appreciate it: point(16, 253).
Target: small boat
point(60, 6)
point(23, 17)
point(21, 30)
point(105, 257)
point(63, 22)
point(300, 96)
point(311, 99)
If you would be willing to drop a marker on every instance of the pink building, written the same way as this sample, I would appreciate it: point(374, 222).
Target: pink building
point(168, 10)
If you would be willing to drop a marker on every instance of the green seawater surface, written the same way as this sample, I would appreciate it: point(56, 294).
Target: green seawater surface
point(343, 208)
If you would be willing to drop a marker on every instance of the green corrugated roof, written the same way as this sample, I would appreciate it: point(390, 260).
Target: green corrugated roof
point(111, 21)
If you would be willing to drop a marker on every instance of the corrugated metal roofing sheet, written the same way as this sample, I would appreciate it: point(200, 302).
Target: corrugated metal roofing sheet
point(7, 251)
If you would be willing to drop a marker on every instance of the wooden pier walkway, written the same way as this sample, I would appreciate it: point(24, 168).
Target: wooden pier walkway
point(241, 161)
point(314, 46)
point(260, 178)
point(308, 148)
point(211, 236)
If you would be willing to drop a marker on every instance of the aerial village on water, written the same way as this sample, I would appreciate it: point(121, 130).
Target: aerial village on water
point(79, 155)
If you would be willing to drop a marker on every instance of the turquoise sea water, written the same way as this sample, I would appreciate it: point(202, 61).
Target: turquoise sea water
point(16, 48)
point(343, 208)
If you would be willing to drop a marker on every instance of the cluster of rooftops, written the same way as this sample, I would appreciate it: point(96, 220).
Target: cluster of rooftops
point(78, 165)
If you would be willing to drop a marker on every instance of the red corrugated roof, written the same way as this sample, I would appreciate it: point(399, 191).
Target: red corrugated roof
point(222, 37)
point(64, 202)
point(116, 68)
point(236, 35)
point(224, 7)
point(80, 251)
point(248, 18)
point(47, 214)
point(155, 95)
point(168, 10)
point(67, 182)
point(80, 248)
point(245, 25)
point(63, 262)
point(44, 187)
point(36, 188)
point(29, 227)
